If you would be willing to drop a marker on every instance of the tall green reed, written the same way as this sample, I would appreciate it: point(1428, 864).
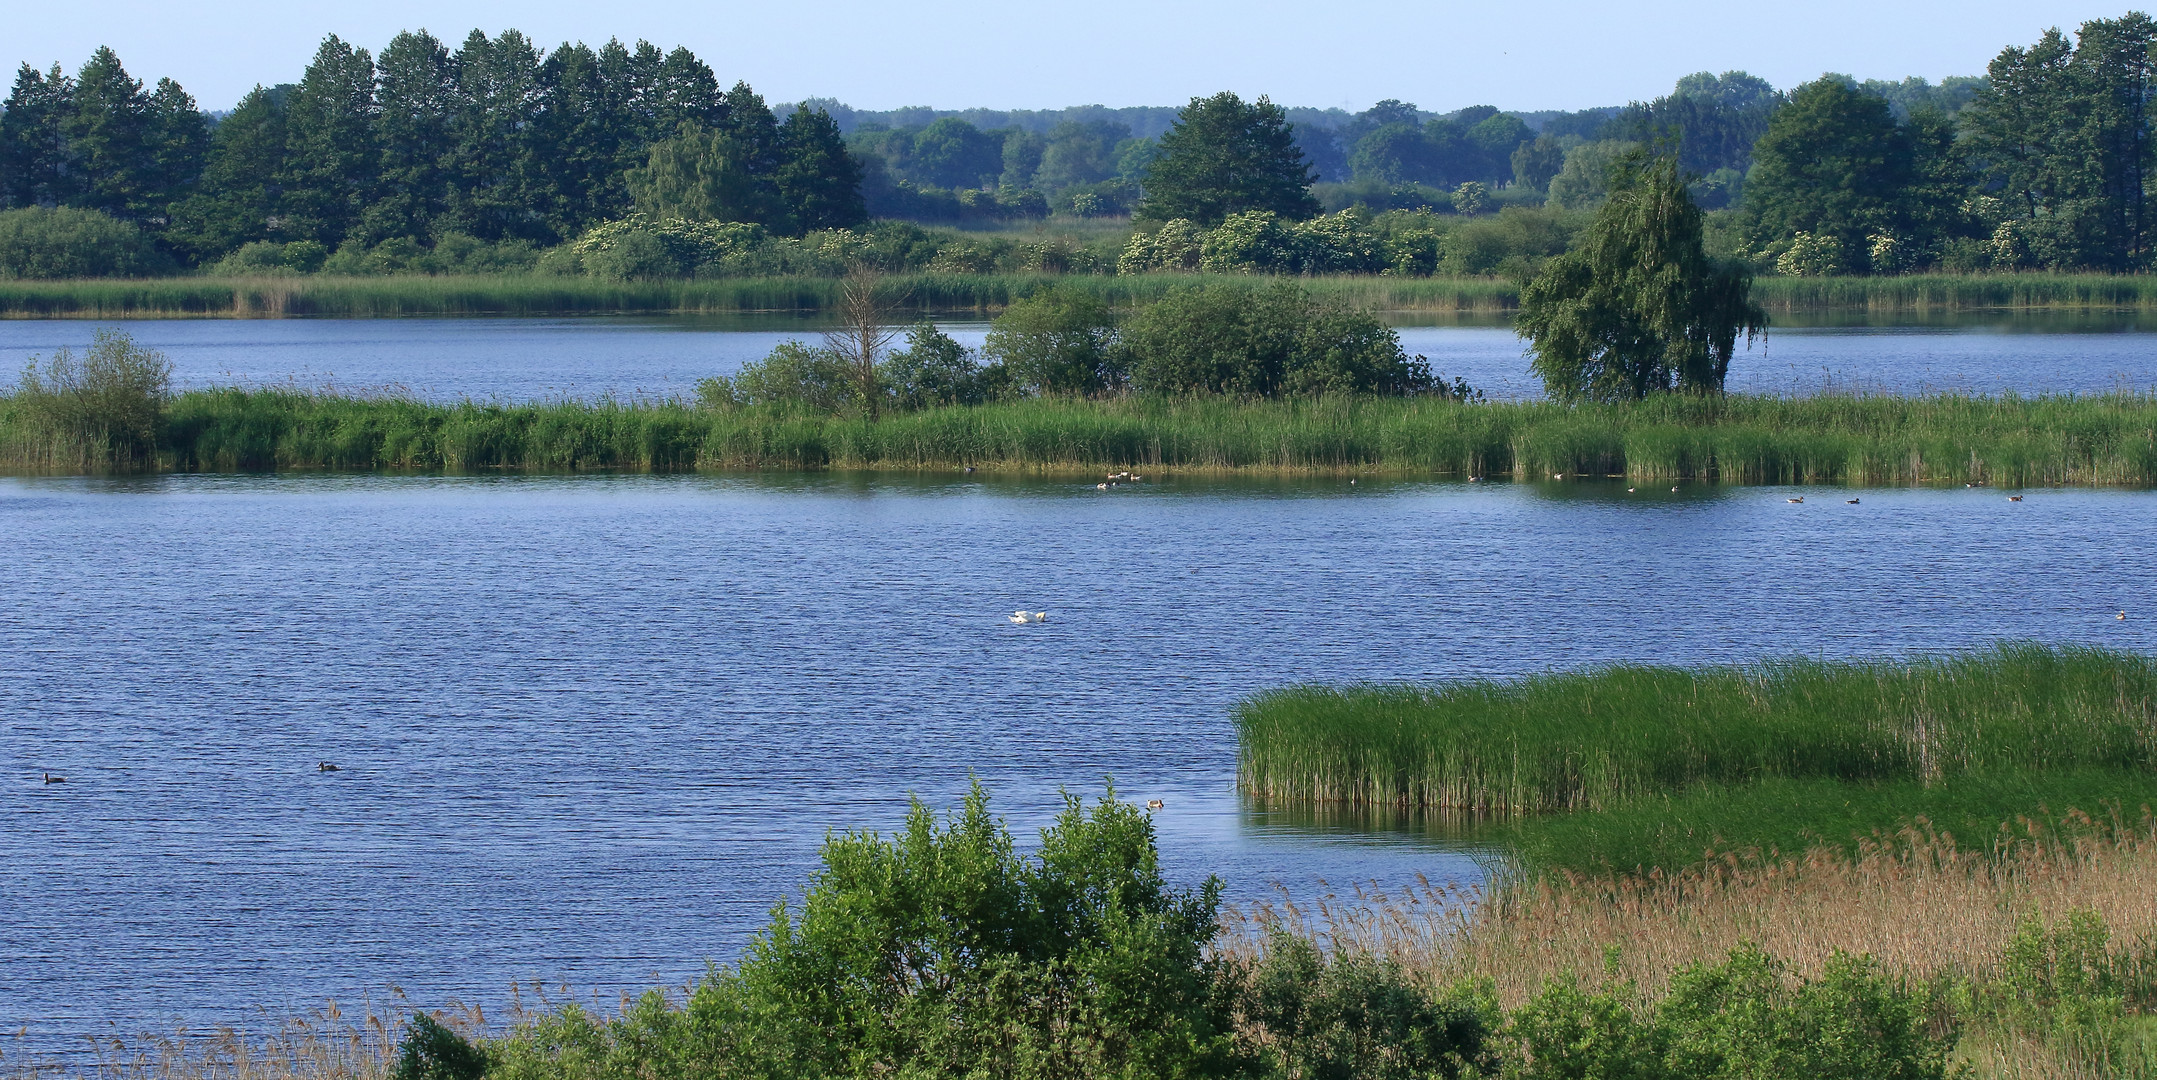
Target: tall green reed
point(2109, 439)
point(1605, 738)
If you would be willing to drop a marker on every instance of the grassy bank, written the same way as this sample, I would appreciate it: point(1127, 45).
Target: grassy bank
point(2109, 439)
point(513, 294)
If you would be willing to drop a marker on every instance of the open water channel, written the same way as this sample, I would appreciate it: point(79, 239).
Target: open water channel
point(590, 728)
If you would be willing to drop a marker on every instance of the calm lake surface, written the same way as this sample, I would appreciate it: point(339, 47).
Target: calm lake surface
point(590, 728)
point(646, 357)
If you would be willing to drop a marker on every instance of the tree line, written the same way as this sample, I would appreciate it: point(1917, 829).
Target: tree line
point(428, 158)
point(497, 140)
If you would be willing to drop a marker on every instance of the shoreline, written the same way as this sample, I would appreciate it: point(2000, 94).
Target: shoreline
point(532, 295)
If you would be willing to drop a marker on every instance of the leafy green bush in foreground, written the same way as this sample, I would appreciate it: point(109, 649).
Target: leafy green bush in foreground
point(944, 952)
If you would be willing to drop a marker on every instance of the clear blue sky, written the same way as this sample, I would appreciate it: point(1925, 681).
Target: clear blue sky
point(1530, 54)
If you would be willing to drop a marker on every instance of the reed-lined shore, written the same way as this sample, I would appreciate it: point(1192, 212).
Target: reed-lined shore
point(531, 294)
point(2052, 440)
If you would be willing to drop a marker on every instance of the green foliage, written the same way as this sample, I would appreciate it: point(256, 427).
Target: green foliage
point(794, 376)
point(2064, 131)
point(1638, 307)
point(1585, 179)
point(933, 371)
point(430, 1051)
point(1355, 1017)
point(1225, 157)
point(41, 243)
point(1783, 817)
point(1265, 342)
point(711, 175)
point(102, 409)
point(1058, 341)
point(1836, 180)
point(1607, 738)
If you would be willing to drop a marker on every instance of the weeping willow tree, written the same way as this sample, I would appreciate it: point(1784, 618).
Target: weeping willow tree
point(1637, 307)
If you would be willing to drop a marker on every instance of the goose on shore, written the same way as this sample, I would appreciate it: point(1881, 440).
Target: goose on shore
point(51, 779)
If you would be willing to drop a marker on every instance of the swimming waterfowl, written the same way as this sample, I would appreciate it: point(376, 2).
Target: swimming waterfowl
point(325, 766)
point(1799, 499)
point(2014, 498)
point(1673, 487)
point(1155, 804)
point(1023, 616)
point(2121, 615)
point(51, 779)
point(1100, 487)
point(1852, 502)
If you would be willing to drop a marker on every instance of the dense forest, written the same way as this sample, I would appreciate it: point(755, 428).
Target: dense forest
point(628, 161)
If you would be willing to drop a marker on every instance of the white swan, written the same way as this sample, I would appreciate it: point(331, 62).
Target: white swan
point(1023, 616)
point(1019, 618)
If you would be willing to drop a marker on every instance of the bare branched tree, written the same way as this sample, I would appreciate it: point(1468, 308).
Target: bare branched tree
point(865, 330)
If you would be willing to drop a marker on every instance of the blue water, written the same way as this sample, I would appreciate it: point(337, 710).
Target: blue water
point(590, 728)
point(647, 357)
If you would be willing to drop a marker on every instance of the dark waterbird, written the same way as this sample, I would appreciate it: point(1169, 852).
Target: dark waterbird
point(324, 766)
point(51, 779)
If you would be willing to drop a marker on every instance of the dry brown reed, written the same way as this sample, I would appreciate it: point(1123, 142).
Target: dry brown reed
point(1924, 906)
point(329, 1043)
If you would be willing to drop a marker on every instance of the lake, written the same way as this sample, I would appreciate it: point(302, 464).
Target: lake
point(647, 357)
point(590, 728)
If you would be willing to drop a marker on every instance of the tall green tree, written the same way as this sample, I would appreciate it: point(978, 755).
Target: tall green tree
point(178, 142)
point(108, 144)
point(1833, 164)
point(818, 180)
point(1637, 306)
point(2064, 132)
point(577, 135)
point(707, 174)
point(332, 160)
point(1223, 157)
point(499, 191)
point(33, 139)
point(417, 106)
point(241, 184)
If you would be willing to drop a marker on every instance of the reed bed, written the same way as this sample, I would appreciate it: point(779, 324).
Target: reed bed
point(1957, 292)
point(1616, 736)
point(2007, 441)
point(534, 294)
point(1926, 907)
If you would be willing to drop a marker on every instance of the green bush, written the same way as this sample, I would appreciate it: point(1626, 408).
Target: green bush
point(933, 370)
point(1265, 342)
point(271, 257)
point(1058, 341)
point(939, 952)
point(430, 1051)
point(1355, 1017)
point(794, 376)
point(102, 408)
point(43, 242)
point(1742, 1019)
